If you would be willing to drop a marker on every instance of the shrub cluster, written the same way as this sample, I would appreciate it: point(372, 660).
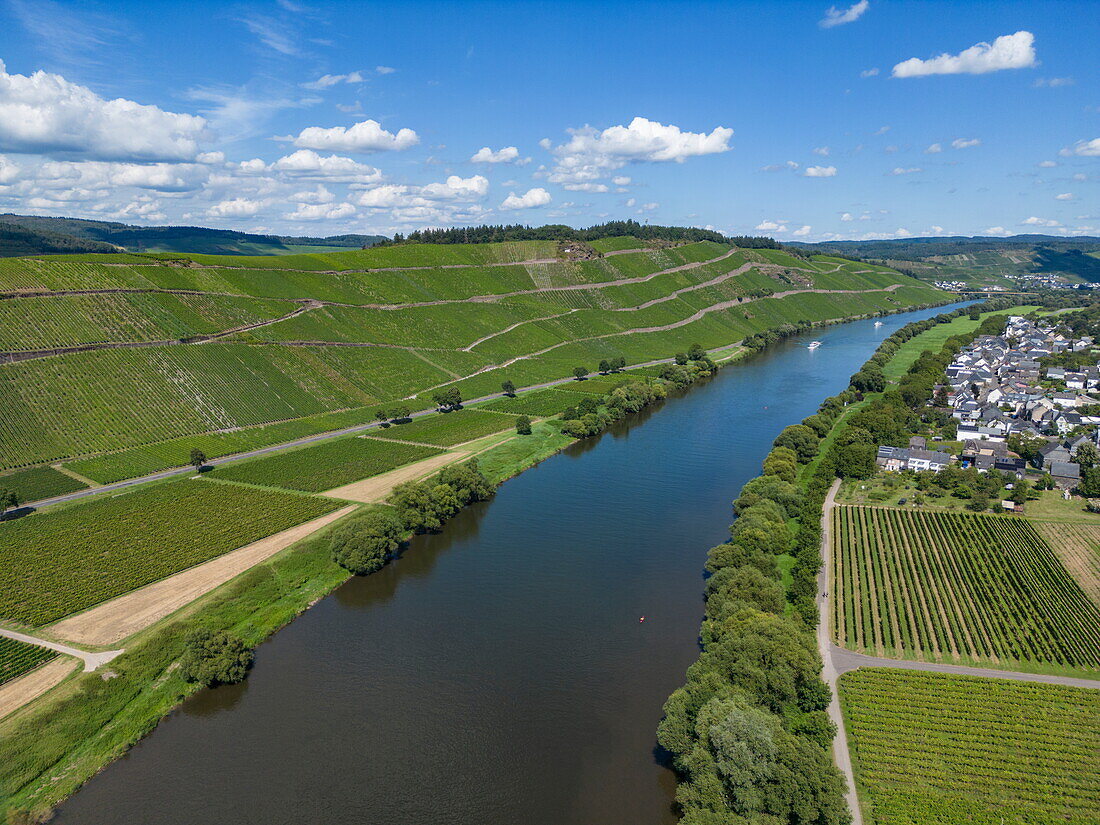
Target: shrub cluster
point(214, 657)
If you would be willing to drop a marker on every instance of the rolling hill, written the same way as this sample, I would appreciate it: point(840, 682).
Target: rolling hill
point(140, 357)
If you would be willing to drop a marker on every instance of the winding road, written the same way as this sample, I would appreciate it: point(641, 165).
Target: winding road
point(837, 661)
point(92, 661)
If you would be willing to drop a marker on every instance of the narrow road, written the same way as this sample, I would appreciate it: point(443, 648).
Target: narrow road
point(91, 660)
point(837, 661)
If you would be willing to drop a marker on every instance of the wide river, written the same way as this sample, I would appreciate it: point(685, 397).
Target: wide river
point(498, 673)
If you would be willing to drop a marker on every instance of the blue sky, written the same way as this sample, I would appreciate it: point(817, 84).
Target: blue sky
point(799, 120)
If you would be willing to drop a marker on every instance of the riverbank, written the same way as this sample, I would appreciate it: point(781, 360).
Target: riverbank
point(63, 751)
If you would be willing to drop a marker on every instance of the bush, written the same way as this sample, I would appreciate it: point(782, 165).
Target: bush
point(523, 425)
point(214, 657)
point(364, 544)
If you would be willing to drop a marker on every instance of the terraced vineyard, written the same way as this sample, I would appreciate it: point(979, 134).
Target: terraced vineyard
point(17, 658)
point(326, 465)
point(39, 483)
point(941, 586)
point(60, 562)
point(947, 750)
point(339, 333)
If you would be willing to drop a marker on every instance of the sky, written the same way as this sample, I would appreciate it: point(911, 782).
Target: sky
point(798, 120)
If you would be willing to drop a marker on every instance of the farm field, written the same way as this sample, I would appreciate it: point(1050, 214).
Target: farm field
point(326, 465)
point(1078, 546)
point(17, 658)
point(39, 483)
point(945, 587)
point(63, 561)
point(538, 403)
point(947, 750)
point(119, 413)
point(448, 429)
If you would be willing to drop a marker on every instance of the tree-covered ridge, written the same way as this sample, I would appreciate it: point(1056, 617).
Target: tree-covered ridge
point(561, 232)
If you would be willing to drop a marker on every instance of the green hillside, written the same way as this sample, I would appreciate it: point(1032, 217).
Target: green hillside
point(309, 342)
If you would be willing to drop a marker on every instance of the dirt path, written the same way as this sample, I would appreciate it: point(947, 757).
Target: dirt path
point(91, 660)
point(376, 488)
point(113, 621)
point(65, 471)
point(29, 686)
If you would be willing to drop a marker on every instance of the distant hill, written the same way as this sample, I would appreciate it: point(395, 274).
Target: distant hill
point(979, 260)
point(33, 235)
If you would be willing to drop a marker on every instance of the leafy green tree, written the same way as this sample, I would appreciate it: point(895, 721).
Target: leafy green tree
point(381, 416)
point(523, 425)
point(619, 364)
point(214, 657)
point(1086, 455)
point(856, 460)
point(403, 412)
point(580, 372)
point(782, 462)
point(9, 500)
point(681, 359)
point(868, 379)
point(364, 544)
point(198, 458)
point(799, 438)
point(509, 388)
point(605, 367)
point(1089, 486)
point(696, 353)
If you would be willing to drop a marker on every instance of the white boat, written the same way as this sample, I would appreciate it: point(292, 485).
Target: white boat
point(814, 345)
point(878, 323)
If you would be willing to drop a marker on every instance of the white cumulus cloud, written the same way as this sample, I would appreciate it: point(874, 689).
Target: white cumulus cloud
point(997, 230)
point(836, 17)
point(965, 143)
point(1034, 221)
point(820, 172)
point(235, 208)
point(1085, 148)
point(362, 137)
point(509, 154)
point(902, 170)
point(933, 149)
point(824, 151)
point(528, 200)
point(321, 212)
point(327, 80)
point(45, 114)
point(1065, 196)
point(307, 163)
point(802, 231)
point(872, 72)
point(1009, 51)
point(771, 226)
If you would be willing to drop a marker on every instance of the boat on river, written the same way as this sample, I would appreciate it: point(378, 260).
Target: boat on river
point(814, 345)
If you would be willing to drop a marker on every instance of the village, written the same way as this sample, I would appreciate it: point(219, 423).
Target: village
point(1010, 413)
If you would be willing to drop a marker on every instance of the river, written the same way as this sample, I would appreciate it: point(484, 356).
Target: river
point(499, 672)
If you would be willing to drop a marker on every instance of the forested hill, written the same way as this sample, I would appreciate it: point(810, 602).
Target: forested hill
point(120, 362)
point(979, 260)
point(33, 235)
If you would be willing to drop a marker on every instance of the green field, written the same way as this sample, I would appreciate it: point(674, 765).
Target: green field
point(38, 483)
point(119, 413)
point(17, 658)
point(538, 403)
point(448, 429)
point(326, 465)
point(66, 560)
point(943, 587)
point(938, 749)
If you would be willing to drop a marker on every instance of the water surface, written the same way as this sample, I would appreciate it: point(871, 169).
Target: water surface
point(498, 673)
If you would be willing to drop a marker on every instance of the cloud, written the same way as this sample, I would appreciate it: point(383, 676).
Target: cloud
point(1010, 51)
point(771, 226)
point(385, 69)
point(235, 208)
point(273, 33)
point(327, 80)
point(838, 17)
point(881, 130)
point(321, 212)
point(900, 170)
point(591, 154)
point(307, 163)
point(802, 231)
point(965, 143)
point(847, 216)
point(365, 136)
point(1053, 82)
point(8, 171)
point(872, 72)
point(621, 180)
point(1084, 148)
point(1047, 164)
point(779, 167)
point(45, 114)
point(586, 187)
point(820, 172)
point(1065, 196)
point(1034, 221)
point(822, 150)
point(933, 149)
point(528, 200)
point(509, 154)
point(455, 188)
point(997, 230)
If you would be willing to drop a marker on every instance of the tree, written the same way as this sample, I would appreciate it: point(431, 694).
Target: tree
point(605, 367)
point(856, 460)
point(1090, 483)
point(799, 438)
point(403, 412)
point(619, 364)
point(580, 372)
point(214, 657)
point(696, 353)
point(381, 416)
point(365, 544)
point(509, 388)
point(9, 500)
point(1086, 455)
point(681, 359)
point(523, 425)
point(198, 458)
